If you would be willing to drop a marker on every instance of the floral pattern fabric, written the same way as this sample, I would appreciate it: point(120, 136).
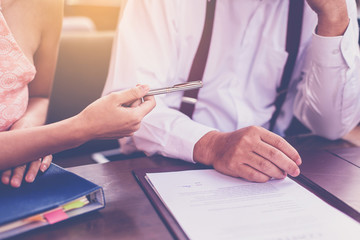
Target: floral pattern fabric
point(16, 71)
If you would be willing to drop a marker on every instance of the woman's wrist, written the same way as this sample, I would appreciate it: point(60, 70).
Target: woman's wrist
point(76, 128)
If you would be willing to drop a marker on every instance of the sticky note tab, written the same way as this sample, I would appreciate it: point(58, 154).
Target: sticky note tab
point(55, 216)
point(73, 205)
point(35, 218)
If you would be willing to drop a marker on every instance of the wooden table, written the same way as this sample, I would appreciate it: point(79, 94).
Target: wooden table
point(128, 213)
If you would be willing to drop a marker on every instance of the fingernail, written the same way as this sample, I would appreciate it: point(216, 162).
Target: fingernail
point(6, 180)
point(297, 172)
point(298, 161)
point(30, 178)
point(144, 87)
point(15, 183)
point(43, 168)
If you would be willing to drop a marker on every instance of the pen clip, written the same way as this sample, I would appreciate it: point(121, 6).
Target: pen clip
point(177, 87)
point(189, 84)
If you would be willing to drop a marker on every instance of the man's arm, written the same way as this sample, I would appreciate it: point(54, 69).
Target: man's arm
point(333, 18)
point(253, 153)
point(327, 100)
point(146, 51)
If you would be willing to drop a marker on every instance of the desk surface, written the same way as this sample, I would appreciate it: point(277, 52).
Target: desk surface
point(128, 213)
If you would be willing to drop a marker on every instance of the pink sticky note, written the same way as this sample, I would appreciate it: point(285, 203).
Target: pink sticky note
point(55, 216)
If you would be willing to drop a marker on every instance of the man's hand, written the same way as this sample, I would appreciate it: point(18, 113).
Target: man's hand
point(333, 17)
point(353, 136)
point(14, 176)
point(253, 153)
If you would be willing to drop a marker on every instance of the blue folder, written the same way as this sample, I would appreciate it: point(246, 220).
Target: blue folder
point(50, 190)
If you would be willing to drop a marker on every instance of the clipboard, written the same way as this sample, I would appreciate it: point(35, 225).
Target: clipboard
point(168, 219)
point(327, 197)
point(174, 227)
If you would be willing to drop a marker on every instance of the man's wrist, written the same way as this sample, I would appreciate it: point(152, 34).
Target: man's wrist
point(332, 23)
point(203, 148)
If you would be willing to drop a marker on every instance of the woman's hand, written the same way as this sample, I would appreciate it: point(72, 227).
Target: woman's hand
point(116, 115)
point(14, 176)
point(28, 172)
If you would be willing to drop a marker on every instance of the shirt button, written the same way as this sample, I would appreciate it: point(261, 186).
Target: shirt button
point(336, 51)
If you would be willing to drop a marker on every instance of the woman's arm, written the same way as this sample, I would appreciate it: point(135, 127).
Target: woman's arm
point(46, 54)
point(107, 118)
point(47, 25)
point(35, 115)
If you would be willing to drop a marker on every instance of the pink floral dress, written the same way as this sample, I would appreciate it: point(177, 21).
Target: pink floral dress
point(16, 71)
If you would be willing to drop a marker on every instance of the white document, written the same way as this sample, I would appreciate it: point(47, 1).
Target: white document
point(210, 205)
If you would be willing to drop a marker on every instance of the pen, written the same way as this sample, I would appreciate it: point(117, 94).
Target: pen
point(178, 87)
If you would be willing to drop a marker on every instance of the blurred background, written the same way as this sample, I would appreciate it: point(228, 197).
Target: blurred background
point(97, 15)
point(85, 48)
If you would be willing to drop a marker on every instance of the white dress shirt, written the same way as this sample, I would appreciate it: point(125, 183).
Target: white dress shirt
point(156, 43)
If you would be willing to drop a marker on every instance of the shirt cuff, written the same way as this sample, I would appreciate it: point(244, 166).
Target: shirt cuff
point(190, 135)
point(334, 51)
point(350, 46)
point(326, 51)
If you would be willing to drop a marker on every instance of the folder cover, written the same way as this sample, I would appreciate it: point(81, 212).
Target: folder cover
point(54, 196)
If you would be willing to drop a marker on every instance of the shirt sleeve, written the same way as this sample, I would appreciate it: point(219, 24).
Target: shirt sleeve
point(170, 133)
point(328, 96)
point(145, 51)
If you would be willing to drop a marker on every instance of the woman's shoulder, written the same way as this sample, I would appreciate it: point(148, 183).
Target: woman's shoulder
point(49, 12)
point(49, 7)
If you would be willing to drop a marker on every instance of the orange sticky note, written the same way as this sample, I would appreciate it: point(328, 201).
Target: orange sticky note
point(55, 216)
point(36, 218)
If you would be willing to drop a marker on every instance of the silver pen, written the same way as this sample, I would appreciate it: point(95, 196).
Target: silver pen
point(178, 87)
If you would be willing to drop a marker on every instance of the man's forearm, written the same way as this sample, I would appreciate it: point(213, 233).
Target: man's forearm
point(202, 149)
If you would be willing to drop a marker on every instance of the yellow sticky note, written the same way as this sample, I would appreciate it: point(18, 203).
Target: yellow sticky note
point(74, 205)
